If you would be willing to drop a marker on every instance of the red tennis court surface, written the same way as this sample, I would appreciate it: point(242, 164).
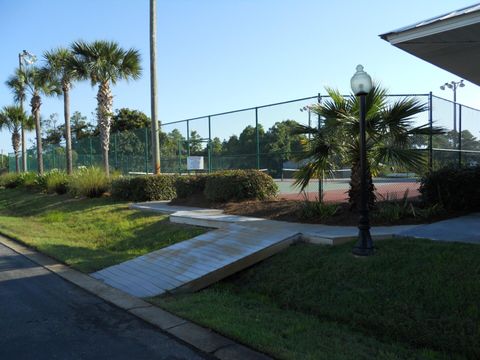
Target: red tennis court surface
point(391, 190)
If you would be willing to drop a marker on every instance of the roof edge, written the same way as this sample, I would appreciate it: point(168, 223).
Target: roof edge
point(470, 15)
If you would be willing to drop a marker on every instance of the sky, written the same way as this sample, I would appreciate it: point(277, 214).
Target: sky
point(218, 55)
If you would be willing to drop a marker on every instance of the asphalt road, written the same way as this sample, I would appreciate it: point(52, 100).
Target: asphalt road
point(44, 317)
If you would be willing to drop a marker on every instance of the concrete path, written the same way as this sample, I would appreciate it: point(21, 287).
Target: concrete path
point(464, 229)
point(46, 317)
point(236, 243)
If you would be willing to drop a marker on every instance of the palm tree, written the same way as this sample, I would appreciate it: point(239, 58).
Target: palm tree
point(17, 86)
point(36, 84)
point(389, 128)
point(104, 63)
point(61, 67)
point(13, 118)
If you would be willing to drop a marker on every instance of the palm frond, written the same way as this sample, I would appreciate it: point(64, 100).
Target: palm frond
point(105, 61)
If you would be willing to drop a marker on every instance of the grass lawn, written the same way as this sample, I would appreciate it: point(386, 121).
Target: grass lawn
point(415, 299)
point(88, 234)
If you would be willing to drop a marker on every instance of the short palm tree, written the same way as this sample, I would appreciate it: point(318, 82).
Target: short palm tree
point(104, 63)
point(60, 65)
point(36, 84)
point(389, 128)
point(13, 118)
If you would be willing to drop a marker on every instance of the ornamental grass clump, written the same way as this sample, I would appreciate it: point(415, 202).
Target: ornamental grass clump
point(55, 181)
point(88, 181)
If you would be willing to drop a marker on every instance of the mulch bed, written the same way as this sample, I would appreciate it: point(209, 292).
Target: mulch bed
point(289, 210)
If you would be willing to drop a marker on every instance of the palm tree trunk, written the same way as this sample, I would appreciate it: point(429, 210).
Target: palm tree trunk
point(355, 191)
point(16, 146)
point(35, 103)
point(24, 150)
point(68, 133)
point(104, 116)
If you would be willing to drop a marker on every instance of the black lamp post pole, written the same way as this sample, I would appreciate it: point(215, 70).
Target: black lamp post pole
point(364, 246)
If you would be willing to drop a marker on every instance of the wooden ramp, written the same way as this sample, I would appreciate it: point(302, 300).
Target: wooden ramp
point(236, 243)
point(194, 264)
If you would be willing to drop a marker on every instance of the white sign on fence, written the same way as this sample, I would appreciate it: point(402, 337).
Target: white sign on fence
point(194, 162)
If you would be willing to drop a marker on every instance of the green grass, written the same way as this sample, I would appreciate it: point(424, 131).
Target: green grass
point(88, 234)
point(413, 300)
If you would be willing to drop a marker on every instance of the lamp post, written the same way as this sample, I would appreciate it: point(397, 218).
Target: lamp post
point(361, 84)
point(28, 58)
point(453, 85)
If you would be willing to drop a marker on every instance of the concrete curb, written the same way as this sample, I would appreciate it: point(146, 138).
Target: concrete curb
point(205, 340)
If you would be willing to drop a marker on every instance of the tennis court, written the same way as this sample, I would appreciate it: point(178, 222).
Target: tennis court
point(335, 190)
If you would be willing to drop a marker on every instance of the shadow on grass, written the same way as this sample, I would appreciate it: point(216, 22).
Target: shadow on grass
point(84, 259)
point(14, 202)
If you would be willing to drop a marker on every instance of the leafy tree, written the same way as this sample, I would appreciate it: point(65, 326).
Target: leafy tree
point(104, 63)
point(195, 143)
point(248, 139)
point(127, 119)
point(80, 127)
point(388, 128)
point(216, 147)
point(231, 146)
point(36, 83)
point(169, 143)
point(61, 66)
point(12, 118)
point(280, 139)
point(52, 134)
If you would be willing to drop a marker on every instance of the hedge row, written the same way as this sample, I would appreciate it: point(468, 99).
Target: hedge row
point(218, 187)
point(453, 188)
point(145, 188)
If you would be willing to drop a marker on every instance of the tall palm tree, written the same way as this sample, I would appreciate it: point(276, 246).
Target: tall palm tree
point(36, 84)
point(389, 129)
point(13, 118)
point(17, 86)
point(104, 63)
point(60, 65)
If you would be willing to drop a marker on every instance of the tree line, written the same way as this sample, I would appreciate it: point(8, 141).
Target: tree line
point(276, 142)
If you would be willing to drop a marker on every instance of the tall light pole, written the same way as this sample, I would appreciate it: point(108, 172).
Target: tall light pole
point(361, 84)
point(28, 58)
point(453, 85)
point(309, 109)
point(153, 87)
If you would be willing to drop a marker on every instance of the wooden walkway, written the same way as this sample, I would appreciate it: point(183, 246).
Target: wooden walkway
point(237, 243)
point(194, 264)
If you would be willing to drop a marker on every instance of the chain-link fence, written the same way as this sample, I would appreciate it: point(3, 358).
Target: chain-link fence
point(259, 138)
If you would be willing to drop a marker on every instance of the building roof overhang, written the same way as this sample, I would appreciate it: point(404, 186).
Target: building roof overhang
point(450, 41)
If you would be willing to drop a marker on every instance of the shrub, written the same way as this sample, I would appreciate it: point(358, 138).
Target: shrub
point(187, 186)
point(55, 181)
point(29, 180)
point(239, 185)
point(154, 187)
point(145, 188)
point(452, 188)
point(10, 180)
point(89, 182)
point(316, 209)
point(13, 180)
point(122, 188)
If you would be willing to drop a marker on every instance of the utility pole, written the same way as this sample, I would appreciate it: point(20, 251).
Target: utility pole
point(153, 88)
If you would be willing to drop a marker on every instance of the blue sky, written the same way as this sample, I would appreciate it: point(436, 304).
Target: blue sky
point(218, 55)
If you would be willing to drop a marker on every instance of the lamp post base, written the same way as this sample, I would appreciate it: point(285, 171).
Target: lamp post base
point(364, 246)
